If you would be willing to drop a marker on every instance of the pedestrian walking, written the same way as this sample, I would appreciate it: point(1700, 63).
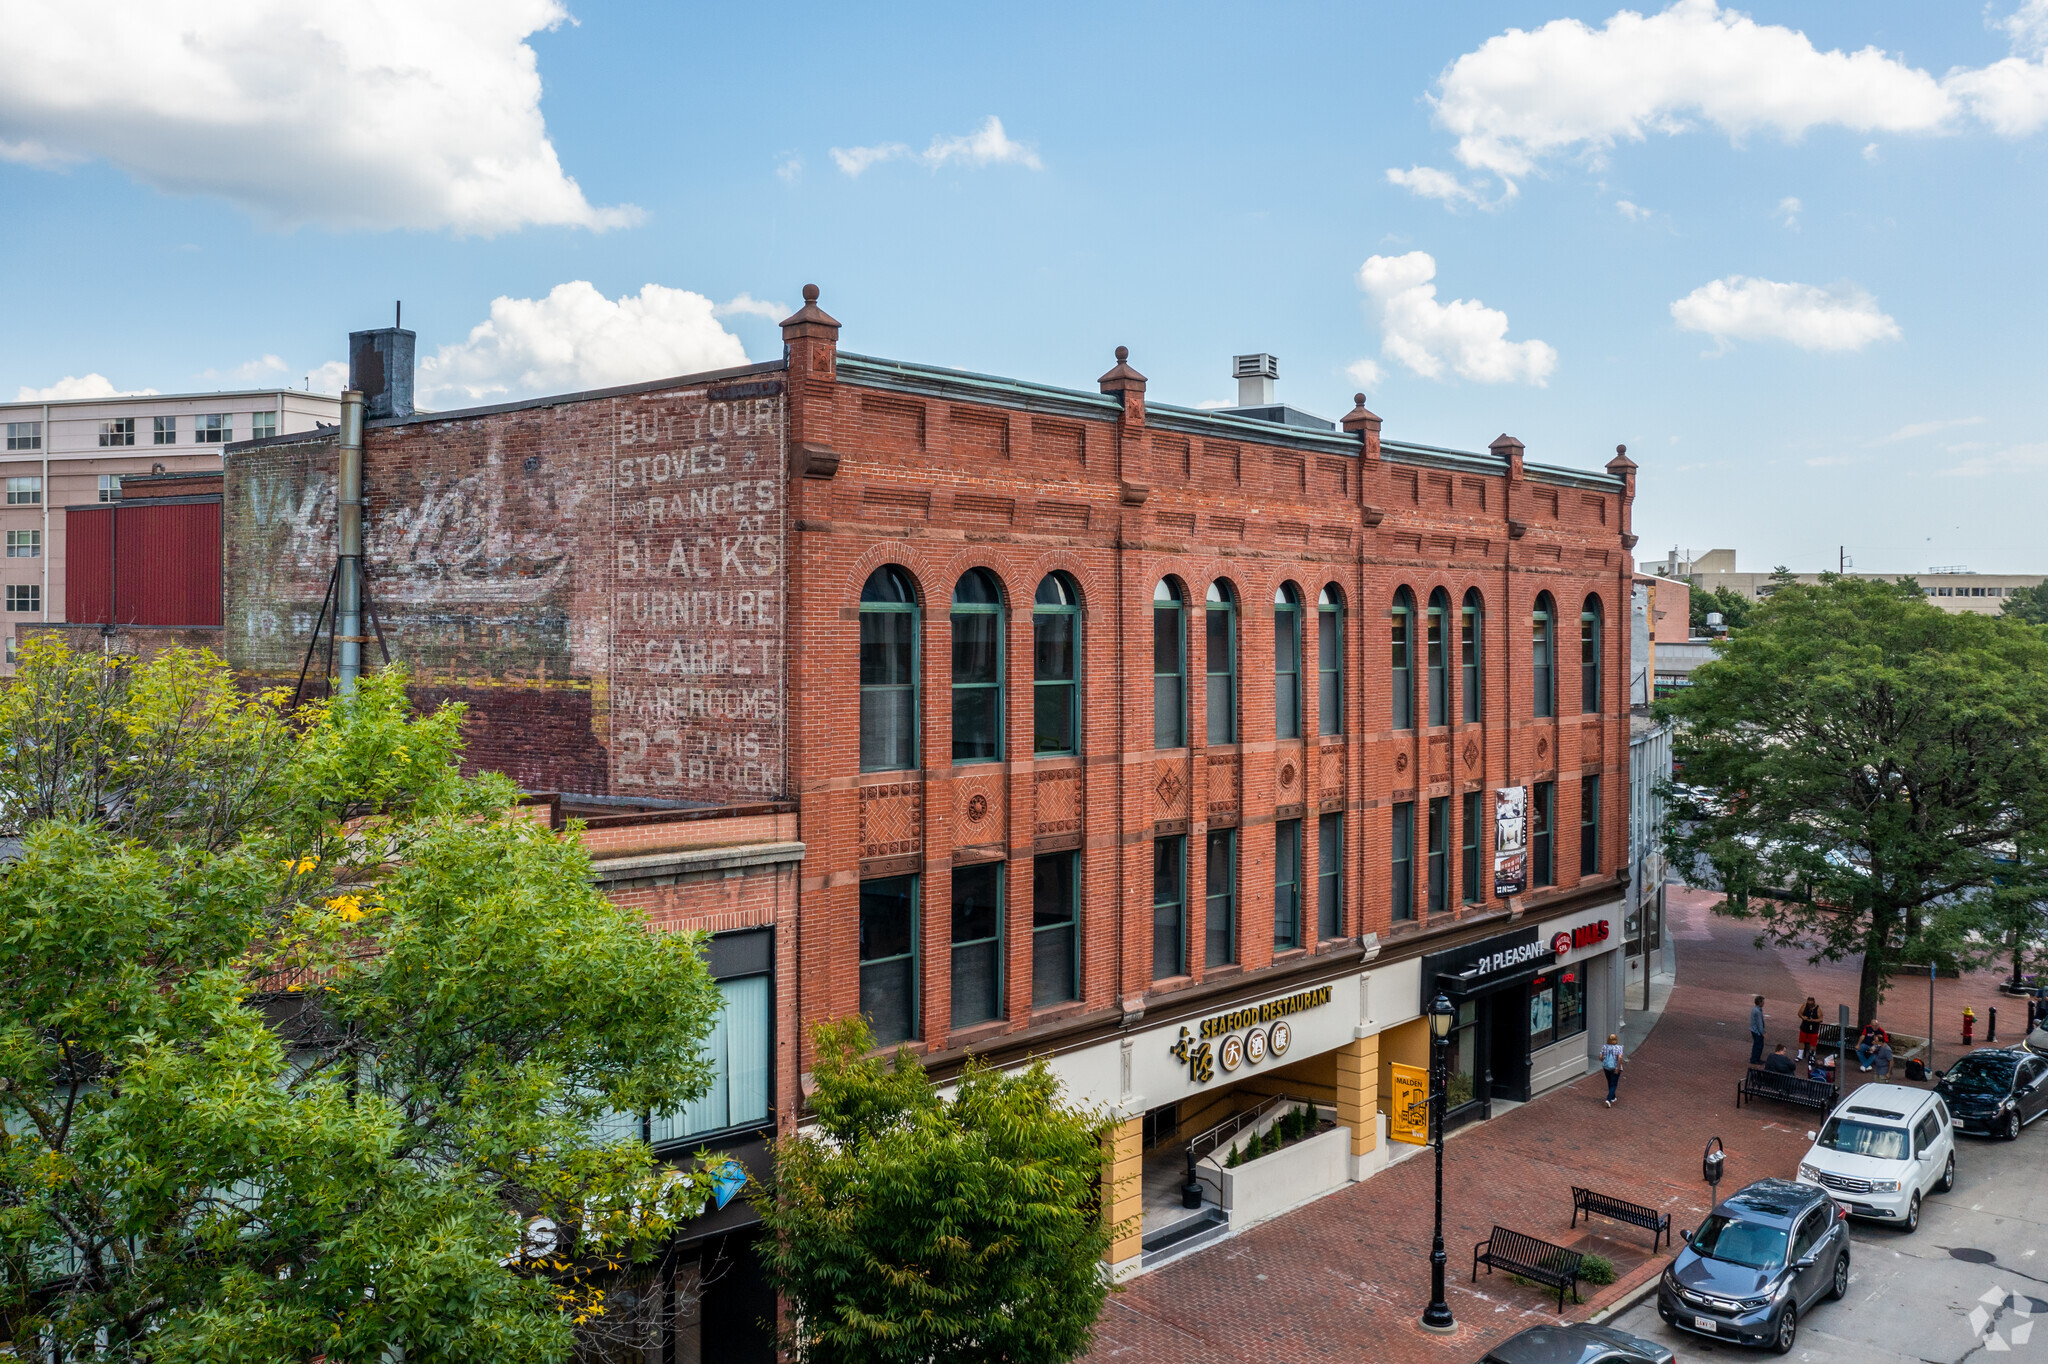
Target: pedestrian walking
point(1756, 1032)
point(1809, 1028)
point(1611, 1063)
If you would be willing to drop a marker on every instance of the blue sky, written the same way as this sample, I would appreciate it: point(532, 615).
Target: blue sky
point(1611, 196)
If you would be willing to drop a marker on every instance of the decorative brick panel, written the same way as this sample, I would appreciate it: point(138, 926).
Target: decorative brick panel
point(1224, 801)
point(1440, 757)
point(1330, 776)
point(891, 819)
point(1590, 745)
point(1288, 778)
point(1170, 787)
point(1058, 798)
point(980, 808)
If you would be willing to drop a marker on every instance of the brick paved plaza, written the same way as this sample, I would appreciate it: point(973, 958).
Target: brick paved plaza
point(1346, 1278)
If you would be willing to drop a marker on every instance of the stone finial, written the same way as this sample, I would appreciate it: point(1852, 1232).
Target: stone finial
point(1620, 461)
point(810, 320)
point(1123, 377)
point(1360, 417)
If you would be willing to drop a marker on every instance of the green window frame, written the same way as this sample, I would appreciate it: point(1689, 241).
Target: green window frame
point(1219, 638)
point(1471, 655)
point(977, 982)
point(1589, 826)
point(1286, 662)
point(977, 621)
point(1056, 667)
point(1169, 907)
point(1401, 667)
point(1219, 927)
point(1330, 876)
point(1169, 667)
point(1435, 646)
point(889, 663)
point(889, 974)
point(1542, 834)
point(1330, 662)
point(1591, 632)
point(1286, 884)
point(1439, 854)
point(1543, 657)
point(1473, 868)
point(1055, 929)
point(1403, 859)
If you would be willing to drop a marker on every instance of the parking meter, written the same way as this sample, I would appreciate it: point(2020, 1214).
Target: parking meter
point(1711, 1161)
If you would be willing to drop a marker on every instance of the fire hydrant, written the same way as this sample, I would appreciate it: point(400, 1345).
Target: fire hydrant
point(1969, 1023)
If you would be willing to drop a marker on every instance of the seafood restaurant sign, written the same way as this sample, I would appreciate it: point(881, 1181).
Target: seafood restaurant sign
point(602, 580)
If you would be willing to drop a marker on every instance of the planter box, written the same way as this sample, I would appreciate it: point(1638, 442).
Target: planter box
point(1272, 1184)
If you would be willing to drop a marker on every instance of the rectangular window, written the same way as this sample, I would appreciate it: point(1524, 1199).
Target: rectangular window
point(1474, 884)
point(1589, 825)
point(888, 957)
point(1439, 854)
point(1329, 668)
point(24, 544)
point(262, 424)
point(120, 431)
point(1169, 697)
point(1055, 929)
point(1542, 809)
point(1287, 884)
point(1330, 876)
point(1055, 669)
point(1401, 671)
point(215, 428)
point(1404, 859)
point(24, 597)
point(1539, 656)
point(1557, 1008)
point(110, 487)
point(1468, 660)
point(977, 943)
point(888, 689)
point(1220, 648)
point(24, 435)
point(738, 1051)
point(1220, 923)
point(1169, 907)
point(25, 491)
point(164, 430)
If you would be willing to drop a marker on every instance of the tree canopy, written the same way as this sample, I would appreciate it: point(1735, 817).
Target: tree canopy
point(1869, 765)
point(303, 1034)
point(2029, 604)
point(912, 1228)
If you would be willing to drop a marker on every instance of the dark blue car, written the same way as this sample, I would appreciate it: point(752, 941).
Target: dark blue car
point(1765, 1255)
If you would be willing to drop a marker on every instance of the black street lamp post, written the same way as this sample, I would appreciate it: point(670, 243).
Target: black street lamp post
point(1437, 1316)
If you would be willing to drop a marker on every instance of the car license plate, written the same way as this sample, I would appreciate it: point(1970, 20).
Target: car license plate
point(1706, 1323)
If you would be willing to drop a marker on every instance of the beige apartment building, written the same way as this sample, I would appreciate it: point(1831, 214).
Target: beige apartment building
point(1952, 587)
point(75, 453)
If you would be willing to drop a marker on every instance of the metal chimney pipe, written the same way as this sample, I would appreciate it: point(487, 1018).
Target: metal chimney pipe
point(349, 543)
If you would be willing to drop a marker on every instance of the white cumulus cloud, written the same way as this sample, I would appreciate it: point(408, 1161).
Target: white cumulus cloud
point(1567, 87)
point(987, 145)
point(576, 339)
point(1364, 372)
point(746, 305)
point(377, 114)
point(77, 386)
point(1428, 182)
point(1635, 213)
point(1464, 335)
point(331, 377)
point(1740, 308)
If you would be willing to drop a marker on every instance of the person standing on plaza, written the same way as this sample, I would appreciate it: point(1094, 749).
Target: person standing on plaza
point(1756, 1032)
point(1611, 1063)
point(1809, 1028)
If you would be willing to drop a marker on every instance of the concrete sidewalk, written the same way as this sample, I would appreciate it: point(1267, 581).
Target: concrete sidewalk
point(1346, 1278)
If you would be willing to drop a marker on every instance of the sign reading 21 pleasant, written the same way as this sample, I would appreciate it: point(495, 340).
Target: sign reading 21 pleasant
point(1510, 841)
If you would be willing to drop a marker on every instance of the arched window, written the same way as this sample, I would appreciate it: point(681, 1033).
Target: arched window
point(977, 668)
point(1589, 656)
point(1330, 662)
point(1542, 658)
point(1286, 662)
point(1470, 650)
point(1439, 665)
point(1220, 650)
point(1169, 668)
point(1056, 666)
point(888, 671)
point(1402, 672)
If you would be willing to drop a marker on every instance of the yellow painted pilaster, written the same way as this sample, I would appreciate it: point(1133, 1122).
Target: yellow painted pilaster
point(1123, 1200)
point(1358, 1092)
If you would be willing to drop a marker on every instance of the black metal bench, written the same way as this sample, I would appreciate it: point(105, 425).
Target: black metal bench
point(1539, 1261)
point(1658, 1224)
point(1791, 1089)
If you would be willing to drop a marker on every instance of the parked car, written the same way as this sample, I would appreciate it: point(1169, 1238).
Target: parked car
point(1765, 1255)
point(1882, 1150)
point(1995, 1091)
point(1580, 1342)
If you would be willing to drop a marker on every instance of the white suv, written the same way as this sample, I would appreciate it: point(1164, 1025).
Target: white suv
point(1881, 1150)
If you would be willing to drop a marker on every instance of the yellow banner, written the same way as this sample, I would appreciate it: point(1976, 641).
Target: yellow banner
point(1408, 1105)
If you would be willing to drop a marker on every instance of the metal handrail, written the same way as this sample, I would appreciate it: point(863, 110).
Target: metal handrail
point(1228, 1128)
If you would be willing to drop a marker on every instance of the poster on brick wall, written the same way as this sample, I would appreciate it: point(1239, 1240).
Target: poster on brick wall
point(698, 595)
point(1510, 841)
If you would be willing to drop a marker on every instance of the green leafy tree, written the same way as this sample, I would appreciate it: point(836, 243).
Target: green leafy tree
point(306, 1040)
point(1733, 607)
point(2030, 604)
point(1871, 763)
point(913, 1228)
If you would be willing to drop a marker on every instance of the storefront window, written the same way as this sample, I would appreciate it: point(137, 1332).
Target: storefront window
point(1462, 1085)
point(1557, 1008)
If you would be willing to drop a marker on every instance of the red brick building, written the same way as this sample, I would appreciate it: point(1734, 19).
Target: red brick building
point(1171, 745)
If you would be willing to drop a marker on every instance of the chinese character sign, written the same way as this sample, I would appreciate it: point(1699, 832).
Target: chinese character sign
point(1510, 841)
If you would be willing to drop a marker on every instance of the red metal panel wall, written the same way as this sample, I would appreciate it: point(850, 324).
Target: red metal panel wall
point(88, 569)
point(167, 564)
point(161, 568)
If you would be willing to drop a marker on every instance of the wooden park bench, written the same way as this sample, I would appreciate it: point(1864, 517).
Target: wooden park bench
point(1539, 1261)
point(1791, 1089)
point(1658, 1224)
